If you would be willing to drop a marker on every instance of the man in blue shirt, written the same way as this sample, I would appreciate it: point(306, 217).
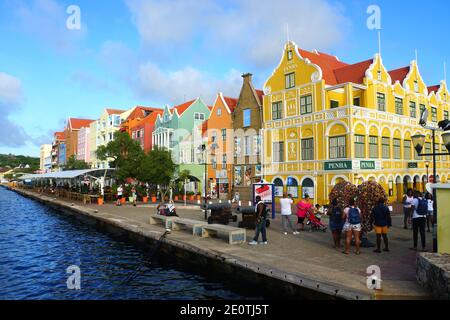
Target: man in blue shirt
point(382, 221)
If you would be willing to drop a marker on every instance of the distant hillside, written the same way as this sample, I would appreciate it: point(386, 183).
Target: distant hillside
point(13, 161)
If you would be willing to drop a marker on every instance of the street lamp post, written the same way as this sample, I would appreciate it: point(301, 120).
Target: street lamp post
point(418, 141)
point(202, 148)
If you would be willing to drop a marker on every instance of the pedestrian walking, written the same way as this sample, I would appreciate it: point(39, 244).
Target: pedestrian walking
point(407, 207)
point(419, 218)
point(382, 221)
point(352, 226)
point(430, 216)
point(286, 213)
point(119, 195)
point(261, 218)
point(336, 223)
point(134, 195)
point(303, 207)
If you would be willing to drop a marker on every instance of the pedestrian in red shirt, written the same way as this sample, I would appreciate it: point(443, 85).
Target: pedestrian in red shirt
point(302, 208)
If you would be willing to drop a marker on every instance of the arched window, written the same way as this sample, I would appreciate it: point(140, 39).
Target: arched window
point(292, 187)
point(308, 188)
point(278, 187)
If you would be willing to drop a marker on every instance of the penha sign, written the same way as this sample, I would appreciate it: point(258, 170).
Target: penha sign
point(337, 165)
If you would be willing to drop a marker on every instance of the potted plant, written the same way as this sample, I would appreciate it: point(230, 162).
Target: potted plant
point(100, 200)
point(191, 195)
point(199, 196)
point(144, 195)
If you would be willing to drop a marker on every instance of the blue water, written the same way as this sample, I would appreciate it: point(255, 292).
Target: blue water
point(37, 245)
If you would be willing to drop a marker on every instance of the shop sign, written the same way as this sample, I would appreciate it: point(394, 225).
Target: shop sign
point(337, 165)
point(412, 165)
point(221, 174)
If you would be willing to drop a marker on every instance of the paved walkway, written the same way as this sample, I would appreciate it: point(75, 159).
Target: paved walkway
point(311, 253)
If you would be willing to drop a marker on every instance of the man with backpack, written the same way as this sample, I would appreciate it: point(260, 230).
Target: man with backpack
point(382, 222)
point(261, 218)
point(352, 226)
point(419, 219)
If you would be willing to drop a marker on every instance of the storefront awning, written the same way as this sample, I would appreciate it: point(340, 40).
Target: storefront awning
point(71, 174)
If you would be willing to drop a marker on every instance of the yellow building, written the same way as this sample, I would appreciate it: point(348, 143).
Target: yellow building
point(326, 121)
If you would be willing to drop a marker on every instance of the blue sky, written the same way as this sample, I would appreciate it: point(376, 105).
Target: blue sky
point(137, 52)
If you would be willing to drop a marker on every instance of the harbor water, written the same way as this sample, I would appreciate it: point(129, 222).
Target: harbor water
point(38, 245)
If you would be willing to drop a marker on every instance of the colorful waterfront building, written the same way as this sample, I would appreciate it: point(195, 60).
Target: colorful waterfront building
point(327, 121)
point(102, 131)
point(247, 125)
point(45, 153)
point(142, 130)
point(177, 123)
point(136, 115)
point(71, 133)
point(83, 151)
point(192, 158)
point(58, 138)
point(220, 141)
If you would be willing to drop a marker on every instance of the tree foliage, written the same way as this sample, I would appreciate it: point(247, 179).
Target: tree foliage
point(124, 154)
point(12, 161)
point(157, 168)
point(74, 164)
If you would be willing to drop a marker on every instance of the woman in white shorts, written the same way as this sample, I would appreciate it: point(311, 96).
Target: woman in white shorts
point(352, 226)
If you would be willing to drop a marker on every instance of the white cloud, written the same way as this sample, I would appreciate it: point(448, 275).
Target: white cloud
point(251, 30)
point(187, 83)
point(11, 134)
point(10, 89)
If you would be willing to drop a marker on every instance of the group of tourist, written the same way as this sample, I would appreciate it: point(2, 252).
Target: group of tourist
point(346, 222)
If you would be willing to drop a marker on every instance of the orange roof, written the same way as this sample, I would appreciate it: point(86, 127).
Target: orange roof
point(114, 111)
point(60, 136)
point(326, 62)
point(399, 74)
point(150, 119)
point(353, 73)
point(183, 107)
point(142, 112)
point(77, 124)
point(231, 103)
point(433, 89)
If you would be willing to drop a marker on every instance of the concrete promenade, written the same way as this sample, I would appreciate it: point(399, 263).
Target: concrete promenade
point(307, 260)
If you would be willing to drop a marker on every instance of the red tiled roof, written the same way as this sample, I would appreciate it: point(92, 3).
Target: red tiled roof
point(353, 73)
point(260, 95)
point(326, 62)
point(399, 74)
point(77, 124)
point(183, 107)
point(231, 103)
point(60, 135)
point(114, 111)
point(433, 89)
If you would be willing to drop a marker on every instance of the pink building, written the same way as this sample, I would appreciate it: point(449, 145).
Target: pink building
point(83, 151)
